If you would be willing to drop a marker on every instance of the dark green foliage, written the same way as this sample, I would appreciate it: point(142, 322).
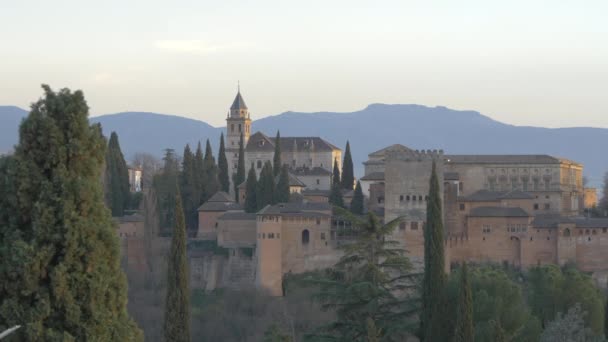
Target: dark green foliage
point(177, 305)
point(498, 334)
point(117, 178)
point(570, 328)
point(335, 196)
point(166, 185)
point(282, 189)
point(605, 318)
point(434, 264)
point(348, 173)
point(335, 179)
point(210, 171)
point(274, 334)
point(464, 318)
point(277, 165)
point(188, 185)
point(553, 289)
point(251, 204)
point(372, 281)
point(265, 188)
point(222, 164)
point(239, 177)
point(356, 205)
point(60, 275)
point(199, 162)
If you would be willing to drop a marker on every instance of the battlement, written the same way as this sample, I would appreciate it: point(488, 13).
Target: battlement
point(415, 155)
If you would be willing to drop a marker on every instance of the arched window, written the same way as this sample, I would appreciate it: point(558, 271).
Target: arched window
point(305, 237)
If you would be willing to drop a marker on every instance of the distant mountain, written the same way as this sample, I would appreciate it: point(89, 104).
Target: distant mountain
point(378, 125)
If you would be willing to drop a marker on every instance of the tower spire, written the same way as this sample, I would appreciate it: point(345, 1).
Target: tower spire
point(238, 86)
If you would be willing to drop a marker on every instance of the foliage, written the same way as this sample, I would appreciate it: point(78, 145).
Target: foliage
point(60, 275)
point(569, 328)
point(177, 304)
point(335, 179)
point(356, 205)
point(277, 165)
point(265, 187)
point(165, 186)
point(282, 189)
point(211, 183)
point(434, 264)
point(335, 196)
point(188, 188)
point(372, 280)
point(464, 331)
point(239, 176)
point(251, 203)
point(274, 334)
point(348, 173)
point(199, 174)
point(117, 178)
point(222, 164)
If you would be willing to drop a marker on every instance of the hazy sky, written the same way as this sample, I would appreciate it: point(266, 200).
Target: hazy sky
point(522, 62)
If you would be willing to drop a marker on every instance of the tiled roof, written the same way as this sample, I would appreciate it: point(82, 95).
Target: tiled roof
point(498, 212)
point(221, 196)
point(505, 159)
point(487, 195)
point(296, 208)
point(551, 221)
point(237, 215)
point(293, 180)
point(220, 201)
point(395, 148)
point(238, 102)
point(259, 142)
point(374, 176)
point(315, 171)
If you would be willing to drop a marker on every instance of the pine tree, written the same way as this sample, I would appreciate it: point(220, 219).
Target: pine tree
point(464, 319)
point(434, 280)
point(277, 165)
point(282, 189)
point(165, 185)
point(188, 184)
point(60, 275)
point(251, 205)
point(199, 173)
point(336, 176)
point(266, 185)
point(348, 173)
point(222, 164)
point(356, 205)
point(239, 177)
point(117, 178)
point(211, 182)
point(177, 305)
point(335, 196)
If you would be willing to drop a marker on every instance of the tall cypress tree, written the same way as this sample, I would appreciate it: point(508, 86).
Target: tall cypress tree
point(177, 305)
point(188, 184)
point(222, 164)
point(434, 280)
point(60, 275)
point(165, 186)
point(199, 173)
point(336, 176)
point(282, 189)
point(239, 176)
point(117, 178)
point(266, 185)
point(348, 173)
point(356, 205)
point(277, 155)
point(464, 318)
point(251, 204)
point(211, 182)
point(335, 195)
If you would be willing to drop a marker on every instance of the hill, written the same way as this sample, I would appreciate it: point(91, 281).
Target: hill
point(378, 125)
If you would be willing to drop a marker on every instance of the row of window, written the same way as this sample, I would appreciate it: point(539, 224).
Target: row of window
point(547, 206)
point(413, 225)
point(514, 185)
point(504, 171)
point(269, 236)
point(412, 197)
point(517, 228)
point(247, 128)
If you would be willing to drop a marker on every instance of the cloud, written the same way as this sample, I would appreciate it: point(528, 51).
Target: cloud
point(198, 47)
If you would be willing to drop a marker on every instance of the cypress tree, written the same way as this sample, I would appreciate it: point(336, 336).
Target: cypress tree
point(165, 186)
point(199, 175)
point(239, 176)
point(251, 205)
point(434, 280)
point(188, 184)
point(356, 206)
point(335, 196)
point(277, 165)
point(282, 189)
point(117, 178)
point(266, 185)
point(211, 183)
point(336, 176)
point(348, 173)
point(464, 319)
point(177, 305)
point(222, 164)
point(60, 275)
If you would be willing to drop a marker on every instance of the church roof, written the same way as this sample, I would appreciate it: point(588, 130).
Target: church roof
point(260, 142)
point(238, 102)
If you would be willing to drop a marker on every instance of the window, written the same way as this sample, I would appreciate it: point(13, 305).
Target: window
point(407, 198)
point(486, 228)
point(322, 236)
point(460, 186)
point(402, 226)
point(535, 206)
point(547, 206)
point(401, 198)
point(414, 198)
point(414, 226)
point(461, 206)
point(318, 221)
point(259, 164)
point(318, 181)
point(271, 235)
point(380, 200)
point(420, 198)
point(240, 128)
point(305, 237)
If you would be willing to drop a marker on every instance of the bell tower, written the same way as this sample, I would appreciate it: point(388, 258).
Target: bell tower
point(238, 123)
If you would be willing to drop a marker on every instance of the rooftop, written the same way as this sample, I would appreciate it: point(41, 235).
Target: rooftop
point(238, 102)
point(237, 215)
point(506, 159)
point(260, 142)
point(498, 212)
point(374, 176)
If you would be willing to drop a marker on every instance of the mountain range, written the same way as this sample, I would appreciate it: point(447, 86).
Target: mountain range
point(370, 129)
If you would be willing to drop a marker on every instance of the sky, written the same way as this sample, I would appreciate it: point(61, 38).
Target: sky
point(540, 63)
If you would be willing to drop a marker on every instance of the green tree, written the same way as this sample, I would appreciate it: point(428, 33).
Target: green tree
point(251, 204)
point(335, 196)
point(117, 178)
point(177, 305)
point(165, 186)
point(188, 188)
point(348, 173)
point(265, 188)
point(199, 173)
point(274, 334)
point(239, 177)
point(222, 164)
point(282, 189)
point(569, 328)
point(434, 264)
point(371, 281)
point(356, 205)
point(60, 275)
point(464, 319)
point(336, 176)
point(211, 182)
point(277, 165)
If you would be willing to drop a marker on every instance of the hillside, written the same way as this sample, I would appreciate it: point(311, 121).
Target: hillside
point(378, 125)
